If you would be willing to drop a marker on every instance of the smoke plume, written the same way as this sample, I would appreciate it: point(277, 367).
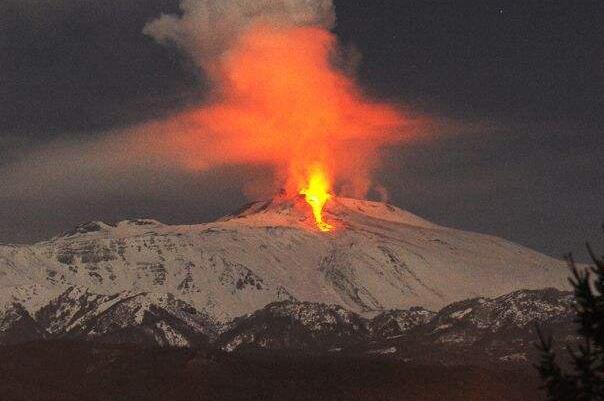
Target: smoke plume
point(208, 28)
point(278, 99)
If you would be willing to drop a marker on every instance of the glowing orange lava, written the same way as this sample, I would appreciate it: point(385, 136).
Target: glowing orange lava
point(317, 194)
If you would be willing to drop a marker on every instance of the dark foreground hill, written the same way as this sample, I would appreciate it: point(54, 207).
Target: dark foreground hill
point(64, 371)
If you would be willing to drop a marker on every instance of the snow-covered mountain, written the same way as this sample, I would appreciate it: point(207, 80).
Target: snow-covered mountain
point(377, 258)
point(477, 331)
point(503, 328)
point(482, 330)
point(395, 322)
point(301, 326)
point(142, 318)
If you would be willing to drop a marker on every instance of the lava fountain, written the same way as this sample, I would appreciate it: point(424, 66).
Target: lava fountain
point(316, 193)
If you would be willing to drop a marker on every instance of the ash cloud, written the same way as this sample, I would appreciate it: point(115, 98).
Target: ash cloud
point(208, 28)
point(280, 95)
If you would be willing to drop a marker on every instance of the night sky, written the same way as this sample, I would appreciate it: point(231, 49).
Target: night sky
point(517, 89)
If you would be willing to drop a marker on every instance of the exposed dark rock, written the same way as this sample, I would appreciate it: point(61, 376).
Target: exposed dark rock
point(17, 326)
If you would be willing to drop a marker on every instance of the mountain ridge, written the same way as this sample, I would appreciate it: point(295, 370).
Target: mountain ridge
point(477, 331)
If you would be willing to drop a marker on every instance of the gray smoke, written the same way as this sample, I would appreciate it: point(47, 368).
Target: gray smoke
point(207, 28)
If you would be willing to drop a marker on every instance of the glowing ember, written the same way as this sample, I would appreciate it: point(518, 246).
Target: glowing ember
point(316, 194)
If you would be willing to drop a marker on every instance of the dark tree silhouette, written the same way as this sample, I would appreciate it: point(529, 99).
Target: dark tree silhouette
point(585, 379)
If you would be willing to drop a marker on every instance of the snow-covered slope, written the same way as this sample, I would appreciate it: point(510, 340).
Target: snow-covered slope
point(147, 319)
point(480, 329)
point(477, 320)
point(485, 329)
point(301, 326)
point(378, 257)
point(395, 322)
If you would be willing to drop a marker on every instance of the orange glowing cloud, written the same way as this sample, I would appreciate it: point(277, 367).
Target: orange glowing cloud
point(280, 101)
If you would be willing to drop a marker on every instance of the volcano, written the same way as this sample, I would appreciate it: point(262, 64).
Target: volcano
point(377, 257)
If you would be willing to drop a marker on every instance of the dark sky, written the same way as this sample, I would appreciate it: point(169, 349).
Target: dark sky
point(519, 87)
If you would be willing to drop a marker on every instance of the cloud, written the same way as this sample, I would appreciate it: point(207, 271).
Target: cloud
point(69, 181)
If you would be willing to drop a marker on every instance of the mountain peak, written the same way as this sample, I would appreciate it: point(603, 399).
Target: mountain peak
point(88, 227)
point(122, 227)
point(339, 212)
